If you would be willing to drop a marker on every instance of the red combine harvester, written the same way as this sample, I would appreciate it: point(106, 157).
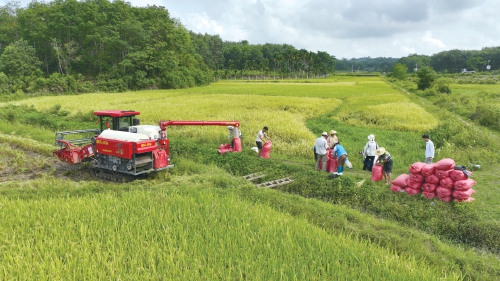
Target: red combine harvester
point(122, 147)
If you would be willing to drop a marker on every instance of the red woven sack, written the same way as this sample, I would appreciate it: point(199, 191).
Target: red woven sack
point(442, 173)
point(429, 195)
point(416, 167)
point(446, 183)
point(417, 177)
point(429, 187)
point(396, 188)
point(414, 185)
point(412, 191)
point(443, 192)
point(401, 180)
point(377, 173)
point(459, 194)
point(427, 170)
point(266, 149)
point(224, 148)
point(432, 179)
point(457, 175)
point(331, 164)
point(445, 164)
point(464, 184)
point(445, 199)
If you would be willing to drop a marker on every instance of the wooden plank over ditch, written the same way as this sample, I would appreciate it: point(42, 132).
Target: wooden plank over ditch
point(275, 183)
point(254, 176)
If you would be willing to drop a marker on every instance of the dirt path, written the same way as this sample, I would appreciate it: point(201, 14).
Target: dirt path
point(35, 165)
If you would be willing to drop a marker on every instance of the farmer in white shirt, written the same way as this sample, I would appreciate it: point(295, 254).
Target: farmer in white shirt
point(321, 147)
point(429, 149)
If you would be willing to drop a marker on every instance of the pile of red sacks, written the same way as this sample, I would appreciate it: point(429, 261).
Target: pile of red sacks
point(442, 179)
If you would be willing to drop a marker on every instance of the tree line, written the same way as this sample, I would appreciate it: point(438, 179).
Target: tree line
point(240, 58)
point(366, 64)
point(454, 61)
point(70, 46)
point(451, 61)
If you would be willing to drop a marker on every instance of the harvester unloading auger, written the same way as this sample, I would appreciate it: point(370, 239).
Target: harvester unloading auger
point(121, 147)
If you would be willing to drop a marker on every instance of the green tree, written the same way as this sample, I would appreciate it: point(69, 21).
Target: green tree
point(442, 85)
point(415, 61)
point(476, 63)
point(399, 71)
point(8, 24)
point(426, 76)
point(19, 60)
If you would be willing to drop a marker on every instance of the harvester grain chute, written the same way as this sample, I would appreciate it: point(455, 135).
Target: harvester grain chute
point(121, 146)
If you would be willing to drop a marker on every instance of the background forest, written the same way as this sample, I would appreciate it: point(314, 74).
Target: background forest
point(69, 46)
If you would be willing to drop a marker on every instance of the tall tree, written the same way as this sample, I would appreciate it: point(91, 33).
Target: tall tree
point(19, 60)
point(399, 71)
point(426, 76)
point(8, 24)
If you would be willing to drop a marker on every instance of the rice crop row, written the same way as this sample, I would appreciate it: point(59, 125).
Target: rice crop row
point(27, 144)
point(283, 107)
point(182, 234)
point(285, 117)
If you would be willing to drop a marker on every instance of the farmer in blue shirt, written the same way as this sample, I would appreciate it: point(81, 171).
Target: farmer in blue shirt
point(341, 153)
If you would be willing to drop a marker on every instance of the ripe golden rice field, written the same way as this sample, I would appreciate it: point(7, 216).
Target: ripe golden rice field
point(283, 107)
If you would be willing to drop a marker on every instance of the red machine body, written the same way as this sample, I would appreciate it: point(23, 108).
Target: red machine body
point(122, 145)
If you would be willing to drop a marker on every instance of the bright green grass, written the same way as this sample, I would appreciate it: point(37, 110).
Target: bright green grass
point(475, 88)
point(184, 233)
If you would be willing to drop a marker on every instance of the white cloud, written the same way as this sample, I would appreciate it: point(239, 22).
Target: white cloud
point(201, 23)
point(428, 39)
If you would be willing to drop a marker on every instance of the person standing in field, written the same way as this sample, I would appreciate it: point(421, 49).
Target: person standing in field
point(262, 137)
point(332, 139)
point(341, 154)
point(233, 133)
point(321, 147)
point(384, 158)
point(429, 149)
point(369, 153)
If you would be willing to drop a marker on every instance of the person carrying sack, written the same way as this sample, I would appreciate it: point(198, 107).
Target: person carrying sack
point(341, 153)
point(384, 158)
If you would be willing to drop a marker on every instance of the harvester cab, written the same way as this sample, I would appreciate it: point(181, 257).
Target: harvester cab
point(118, 120)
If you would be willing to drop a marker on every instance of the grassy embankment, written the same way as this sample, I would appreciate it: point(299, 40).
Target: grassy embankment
point(296, 113)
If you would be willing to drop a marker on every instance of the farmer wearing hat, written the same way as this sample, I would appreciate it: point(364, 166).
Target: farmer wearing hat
point(383, 157)
point(332, 139)
point(369, 152)
point(233, 133)
point(341, 153)
point(321, 146)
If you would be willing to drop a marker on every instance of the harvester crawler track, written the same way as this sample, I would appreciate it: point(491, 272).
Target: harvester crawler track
point(111, 176)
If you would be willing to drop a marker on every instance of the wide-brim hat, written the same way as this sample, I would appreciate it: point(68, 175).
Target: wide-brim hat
point(380, 151)
point(333, 132)
point(324, 134)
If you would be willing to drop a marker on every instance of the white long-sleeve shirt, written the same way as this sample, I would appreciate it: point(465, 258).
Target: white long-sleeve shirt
point(321, 145)
point(429, 149)
point(370, 148)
